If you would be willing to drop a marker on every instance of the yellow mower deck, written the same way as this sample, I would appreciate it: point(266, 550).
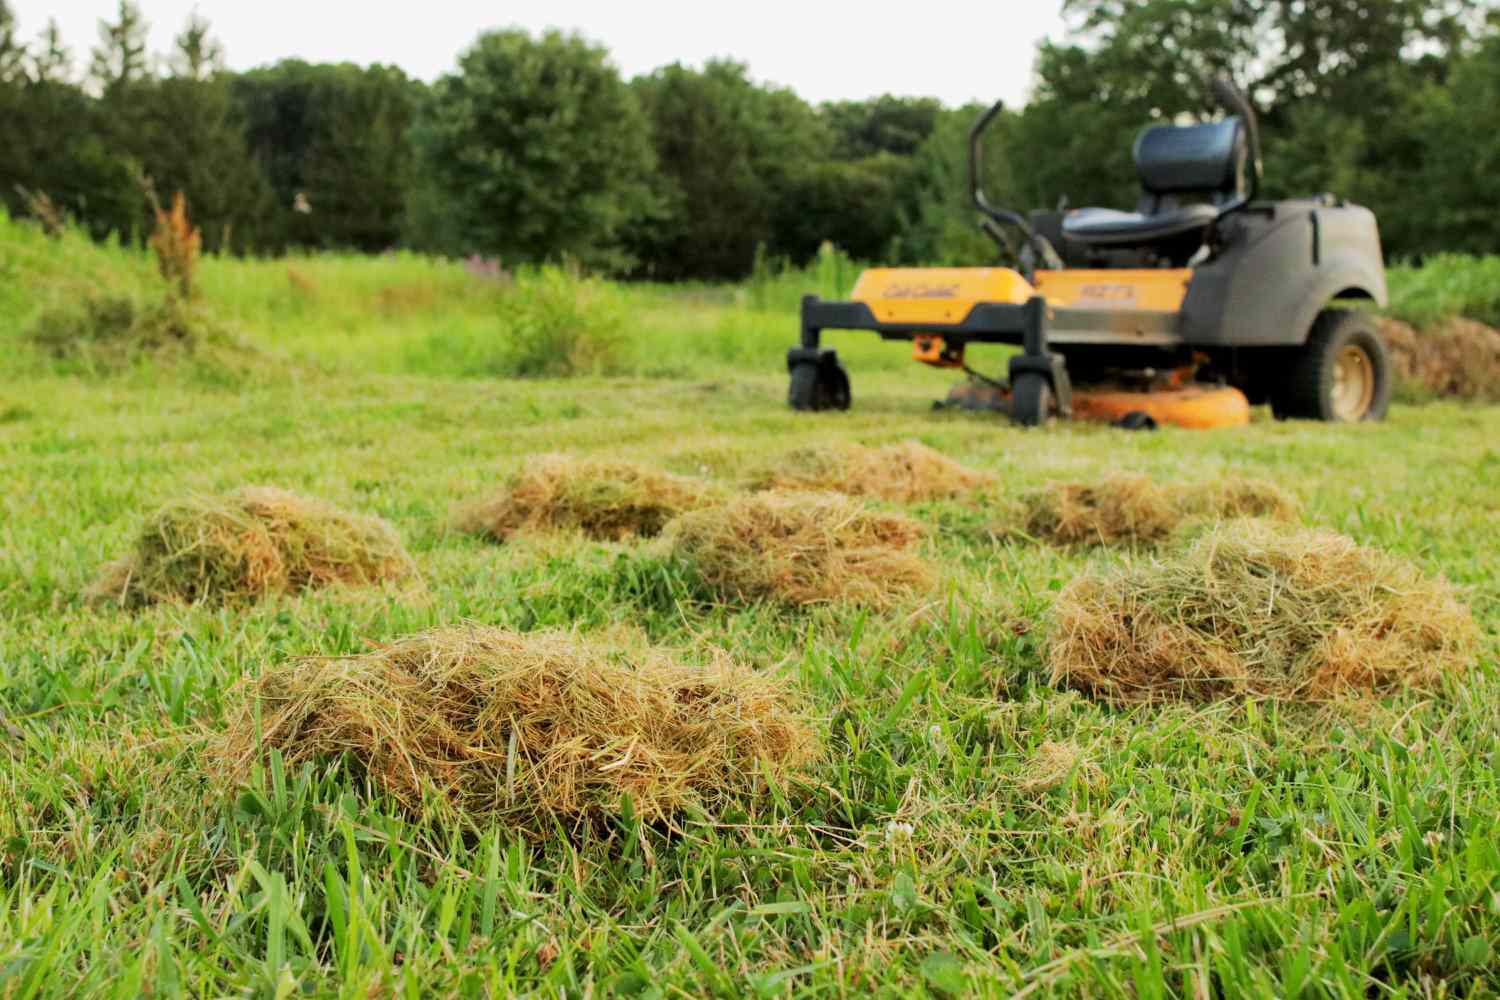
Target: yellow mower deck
point(938, 306)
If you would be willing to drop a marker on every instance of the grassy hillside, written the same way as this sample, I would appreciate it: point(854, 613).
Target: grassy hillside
point(1234, 848)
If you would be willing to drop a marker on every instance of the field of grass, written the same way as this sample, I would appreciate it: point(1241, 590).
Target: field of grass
point(1189, 850)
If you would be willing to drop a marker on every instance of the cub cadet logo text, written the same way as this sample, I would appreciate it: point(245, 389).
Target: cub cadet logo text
point(922, 292)
point(1106, 295)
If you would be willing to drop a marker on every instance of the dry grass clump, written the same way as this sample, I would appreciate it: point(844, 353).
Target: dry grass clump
point(602, 499)
point(1255, 608)
point(1460, 357)
point(525, 728)
point(1054, 763)
point(1137, 509)
point(802, 548)
point(254, 541)
point(904, 472)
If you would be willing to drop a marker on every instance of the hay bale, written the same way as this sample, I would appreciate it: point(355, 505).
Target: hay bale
point(1459, 357)
point(254, 541)
point(603, 499)
point(905, 472)
point(802, 548)
point(527, 728)
point(1260, 609)
point(1124, 509)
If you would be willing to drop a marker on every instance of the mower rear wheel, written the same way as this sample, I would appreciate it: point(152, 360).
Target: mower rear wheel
point(1030, 399)
point(818, 386)
point(1342, 375)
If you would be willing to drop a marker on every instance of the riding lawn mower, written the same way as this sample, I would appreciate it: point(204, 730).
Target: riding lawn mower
point(1200, 303)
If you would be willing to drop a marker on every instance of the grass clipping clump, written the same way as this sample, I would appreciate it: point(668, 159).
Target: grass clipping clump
point(802, 548)
point(905, 472)
point(254, 541)
point(1260, 609)
point(1137, 509)
point(602, 499)
point(1458, 357)
point(527, 728)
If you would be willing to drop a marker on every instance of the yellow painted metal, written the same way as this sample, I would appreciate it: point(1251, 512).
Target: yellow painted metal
point(1152, 290)
point(936, 294)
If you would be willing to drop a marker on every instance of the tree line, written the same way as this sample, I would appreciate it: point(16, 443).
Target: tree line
point(536, 148)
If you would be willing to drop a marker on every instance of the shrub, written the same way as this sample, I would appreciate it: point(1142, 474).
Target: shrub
point(561, 323)
point(110, 332)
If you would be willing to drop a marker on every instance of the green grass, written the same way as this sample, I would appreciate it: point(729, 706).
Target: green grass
point(1221, 850)
point(1448, 285)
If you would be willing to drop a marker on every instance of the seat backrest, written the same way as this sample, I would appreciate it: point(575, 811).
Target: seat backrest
point(1193, 159)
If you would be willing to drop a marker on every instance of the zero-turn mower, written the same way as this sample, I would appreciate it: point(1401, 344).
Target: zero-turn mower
point(1185, 311)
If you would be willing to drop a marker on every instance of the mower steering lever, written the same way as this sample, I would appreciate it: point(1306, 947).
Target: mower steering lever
point(999, 217)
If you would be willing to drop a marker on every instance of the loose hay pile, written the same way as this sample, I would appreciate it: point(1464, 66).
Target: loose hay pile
point(525, 728)
point(1255, 608)
point(905, 472)
point(1460, 357)
point(802, 548)
point(254, 541)
point(602, 499)
point(1136, 509)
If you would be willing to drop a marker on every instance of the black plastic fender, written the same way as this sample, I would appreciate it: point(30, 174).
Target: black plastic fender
point(1285, 264)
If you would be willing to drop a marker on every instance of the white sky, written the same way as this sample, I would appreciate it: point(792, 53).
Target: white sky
point(956, 50)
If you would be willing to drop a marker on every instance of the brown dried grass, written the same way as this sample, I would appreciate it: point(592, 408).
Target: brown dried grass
point(905, 472)
point(1459, 357)
point(1259, 609)
point(255, 541)
point(802, 548)
point(603, 499)
point(523, 729)
point(1056, 762)
point(1125, 509)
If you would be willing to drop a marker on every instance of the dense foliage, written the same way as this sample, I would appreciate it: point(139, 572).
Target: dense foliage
point(536, 149)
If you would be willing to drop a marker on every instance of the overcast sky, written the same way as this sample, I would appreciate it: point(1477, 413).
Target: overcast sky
point(956, 50)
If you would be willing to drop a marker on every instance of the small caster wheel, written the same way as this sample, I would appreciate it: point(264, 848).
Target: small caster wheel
point(1031, 401)
point(819, 386)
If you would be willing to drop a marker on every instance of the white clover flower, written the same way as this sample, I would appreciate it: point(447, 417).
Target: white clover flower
point(899, 831)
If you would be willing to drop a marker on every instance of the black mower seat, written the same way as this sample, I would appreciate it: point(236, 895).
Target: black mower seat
point(1202, 165)
point(1104, 226)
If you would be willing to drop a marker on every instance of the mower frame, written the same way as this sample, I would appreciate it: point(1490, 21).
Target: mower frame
point(1250, 299)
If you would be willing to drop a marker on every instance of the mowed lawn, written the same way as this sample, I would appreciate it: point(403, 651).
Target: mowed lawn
point(969, 830)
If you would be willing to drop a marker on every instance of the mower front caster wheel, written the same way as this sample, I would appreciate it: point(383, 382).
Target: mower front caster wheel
point(1342, 374)
point(1031, 399)
point(819, 386)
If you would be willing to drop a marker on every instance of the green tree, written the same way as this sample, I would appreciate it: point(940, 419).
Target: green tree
point(1333, 81)
point(862, 206)
point(732, 154)
point(55, 144)
point(198, 54)
point(192, 139)
point(1455, 192)
point(943, 228)
point(12, 49)
point(536, 149)
point(50, 60)
point(332, 142)
point(119, 59)
point(888, 124)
